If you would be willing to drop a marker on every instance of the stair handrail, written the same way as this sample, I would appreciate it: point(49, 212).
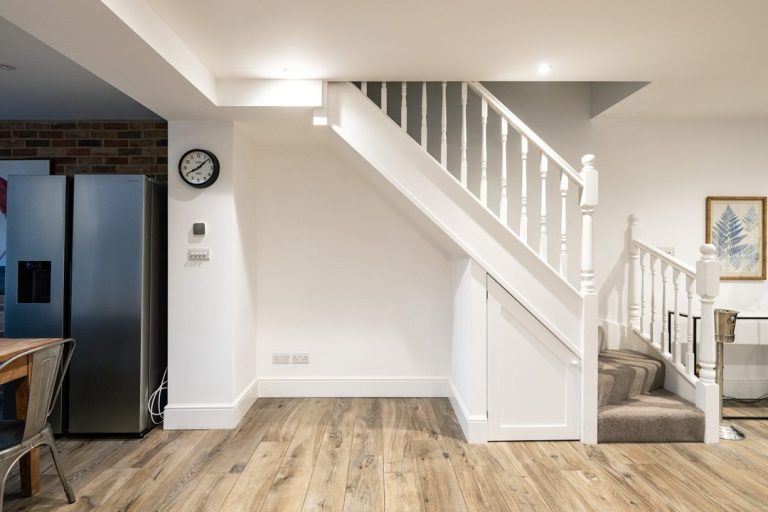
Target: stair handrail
point(671, 260)
point(524, 130)
point(703, 281)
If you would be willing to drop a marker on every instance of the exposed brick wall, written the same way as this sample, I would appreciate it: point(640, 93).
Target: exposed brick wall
point(77, 147)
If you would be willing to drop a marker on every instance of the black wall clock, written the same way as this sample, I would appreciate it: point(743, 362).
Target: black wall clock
point(199, 168)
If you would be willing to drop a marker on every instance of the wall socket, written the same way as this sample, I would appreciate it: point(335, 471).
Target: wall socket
point(281, 358)
point(199, 254)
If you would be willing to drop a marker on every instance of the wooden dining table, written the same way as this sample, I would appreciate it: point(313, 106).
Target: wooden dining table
point(20, 370)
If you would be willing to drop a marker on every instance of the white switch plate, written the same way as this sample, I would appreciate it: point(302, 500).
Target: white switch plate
point(199, 254)
point(281, 358)
point(300, 359)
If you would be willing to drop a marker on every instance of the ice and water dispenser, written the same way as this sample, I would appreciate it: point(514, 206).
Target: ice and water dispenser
point(34, 286)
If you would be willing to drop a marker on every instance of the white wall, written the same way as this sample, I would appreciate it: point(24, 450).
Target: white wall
point(244, 279)
point(200, 298)
point(211, 306)
point(309, 254)
point(344, 275)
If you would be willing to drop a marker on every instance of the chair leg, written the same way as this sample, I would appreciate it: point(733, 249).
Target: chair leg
point(5, 468)
point(49, 441)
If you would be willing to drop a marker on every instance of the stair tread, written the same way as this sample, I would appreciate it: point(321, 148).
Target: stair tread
point(659, 416)
point(623, 374)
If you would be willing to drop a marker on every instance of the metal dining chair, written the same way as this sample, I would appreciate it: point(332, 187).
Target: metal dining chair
point(17, 438)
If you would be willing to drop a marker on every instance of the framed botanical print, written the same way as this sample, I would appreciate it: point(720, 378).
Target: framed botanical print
point(736, 227)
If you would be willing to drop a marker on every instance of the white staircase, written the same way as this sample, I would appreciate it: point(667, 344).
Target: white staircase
point(553, 321)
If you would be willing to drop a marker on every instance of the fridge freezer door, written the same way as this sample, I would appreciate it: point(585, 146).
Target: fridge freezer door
point(107, 388)
point(37, 265)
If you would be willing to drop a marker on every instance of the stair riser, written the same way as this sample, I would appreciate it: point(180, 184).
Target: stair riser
point(650, 430)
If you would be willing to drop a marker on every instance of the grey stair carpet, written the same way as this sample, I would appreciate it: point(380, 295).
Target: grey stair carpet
point(624, 374)
point(634, 407)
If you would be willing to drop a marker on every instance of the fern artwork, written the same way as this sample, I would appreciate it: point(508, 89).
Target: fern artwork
point(736, 227)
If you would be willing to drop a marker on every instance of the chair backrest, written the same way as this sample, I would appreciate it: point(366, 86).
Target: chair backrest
point(49, 365)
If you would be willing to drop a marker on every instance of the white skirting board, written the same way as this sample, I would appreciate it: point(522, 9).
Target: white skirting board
point(475, 427)
point(210, 416)
point(287, 387)
point(228, 415)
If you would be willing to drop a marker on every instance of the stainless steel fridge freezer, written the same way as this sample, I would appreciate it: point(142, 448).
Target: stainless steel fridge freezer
point(87, 258)
point(117, 305)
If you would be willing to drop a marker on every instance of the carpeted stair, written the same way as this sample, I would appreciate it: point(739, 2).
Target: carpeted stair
point(635, 408)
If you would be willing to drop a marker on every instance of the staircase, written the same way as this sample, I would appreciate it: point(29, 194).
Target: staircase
point(545, 313)
point(635, 407)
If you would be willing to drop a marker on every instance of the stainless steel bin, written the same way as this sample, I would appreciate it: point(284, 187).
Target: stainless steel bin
point(725, 332)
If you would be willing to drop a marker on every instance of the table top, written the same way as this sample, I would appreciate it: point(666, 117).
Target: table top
point(10, 347)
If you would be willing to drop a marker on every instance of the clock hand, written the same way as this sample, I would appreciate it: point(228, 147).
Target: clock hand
point(199, 166)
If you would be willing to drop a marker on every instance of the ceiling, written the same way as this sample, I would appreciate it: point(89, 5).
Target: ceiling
point(47, 85)
point(703, 58)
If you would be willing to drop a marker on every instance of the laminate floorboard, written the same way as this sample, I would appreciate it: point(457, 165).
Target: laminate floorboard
point(391, 454)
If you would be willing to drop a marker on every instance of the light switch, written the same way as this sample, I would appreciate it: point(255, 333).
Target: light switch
point(198, 228)
point(199, 254)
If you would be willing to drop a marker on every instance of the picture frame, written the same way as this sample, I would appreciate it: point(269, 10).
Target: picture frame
point(736, 226)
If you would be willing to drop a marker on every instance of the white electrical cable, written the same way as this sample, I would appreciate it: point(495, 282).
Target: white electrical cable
point(155, 403)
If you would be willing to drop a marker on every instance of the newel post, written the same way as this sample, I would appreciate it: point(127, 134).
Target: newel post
point(589, 338)
point(634, 273)
point(588, 204)
point(707, 390)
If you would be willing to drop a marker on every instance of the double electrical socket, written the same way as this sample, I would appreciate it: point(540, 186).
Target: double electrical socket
point(282, 358)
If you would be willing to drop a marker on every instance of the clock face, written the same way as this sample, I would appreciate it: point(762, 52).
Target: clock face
point(199, 168)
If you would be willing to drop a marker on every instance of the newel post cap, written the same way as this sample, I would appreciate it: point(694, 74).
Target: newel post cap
point(633, 229)
point(708, 251)
point(708, 272)
point(589, 179)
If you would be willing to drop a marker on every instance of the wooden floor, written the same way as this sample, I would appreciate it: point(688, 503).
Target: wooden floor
point(394, 455)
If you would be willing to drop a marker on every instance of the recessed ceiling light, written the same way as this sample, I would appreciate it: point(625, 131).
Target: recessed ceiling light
point(7, 67)
point(544, 68)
